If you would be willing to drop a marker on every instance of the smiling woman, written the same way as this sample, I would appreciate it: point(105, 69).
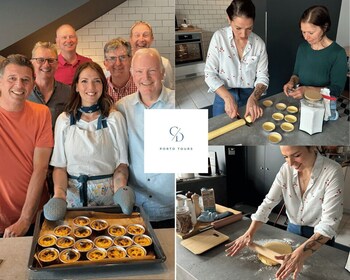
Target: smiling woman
point(311, 186)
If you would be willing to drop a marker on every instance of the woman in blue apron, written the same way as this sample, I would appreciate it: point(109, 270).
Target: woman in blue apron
point(90, 156)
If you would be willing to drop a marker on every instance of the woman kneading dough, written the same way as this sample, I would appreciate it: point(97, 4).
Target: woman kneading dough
point(311, 186)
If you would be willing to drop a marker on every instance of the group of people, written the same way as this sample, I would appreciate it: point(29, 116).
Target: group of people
point(236, 68)
point(70, 137)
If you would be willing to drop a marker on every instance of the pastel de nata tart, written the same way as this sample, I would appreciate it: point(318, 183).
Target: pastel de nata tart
point(62, 230)
point(116, 230)
point(142, 240)
point(65, 242)
point(47, 240)
point(84, 245)
point(135, 229)
point(103, 242)
point(81, 221)
point(99, 225)
point(69, 255)
point(116, 252)
point(82, 232)
point(136, 251)
point(123, 241)
point(96, 254)
point(48, 255)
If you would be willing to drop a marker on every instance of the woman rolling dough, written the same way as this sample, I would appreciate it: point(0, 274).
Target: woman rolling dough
point(311, 186)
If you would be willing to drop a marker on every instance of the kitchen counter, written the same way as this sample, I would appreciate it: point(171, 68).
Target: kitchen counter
point(15, 252)
point(334, 132)
point(326, 264)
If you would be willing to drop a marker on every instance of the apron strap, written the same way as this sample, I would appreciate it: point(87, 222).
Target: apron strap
point(83, 179)
point(101, 122)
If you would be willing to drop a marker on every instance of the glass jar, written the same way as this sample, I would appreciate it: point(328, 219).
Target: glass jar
point(183, 217)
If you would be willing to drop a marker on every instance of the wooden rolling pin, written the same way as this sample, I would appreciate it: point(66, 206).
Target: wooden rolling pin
point(231, 126)
point(265, 252)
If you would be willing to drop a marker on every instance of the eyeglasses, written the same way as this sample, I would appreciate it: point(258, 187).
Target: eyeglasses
point(113, 59)
point(42, 60)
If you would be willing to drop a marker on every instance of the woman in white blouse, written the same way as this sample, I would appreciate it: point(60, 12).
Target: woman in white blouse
point(311, 186)
point(236, 65)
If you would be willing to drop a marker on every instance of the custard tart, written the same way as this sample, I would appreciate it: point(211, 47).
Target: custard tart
point(62, 230)
point(96, 254)
point(142, 240)
point(48, 255)
point(123, 241)
point(81, 221)
point(65, 242)
point(82, 232)
point(69, 255)
point(47, 240)
point(136, 251)
point(83, 245)
point(135, 229)
point(99, 225)
point(103, 242)
point(116, 252)
point(116, 230)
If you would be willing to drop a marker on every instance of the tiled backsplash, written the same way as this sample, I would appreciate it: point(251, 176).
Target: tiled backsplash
point(205, 14)
point(117, 23)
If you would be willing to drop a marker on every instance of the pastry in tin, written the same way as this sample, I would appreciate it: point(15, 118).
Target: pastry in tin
point(103, 242)
point(81, 221)
point(116, 230)
point(83, 245)
point(47, 240)
point(48, 255)
point(99, 225)
point(96, 254)
point(69, 255)
point(62, 230)
point(123, 241)
point(82, 232)
point(116, 252)
point(142, 240)
point(65, 242)
point(136, 251)
point(135, 229)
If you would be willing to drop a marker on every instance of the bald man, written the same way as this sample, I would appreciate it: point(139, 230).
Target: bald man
point(68, 59)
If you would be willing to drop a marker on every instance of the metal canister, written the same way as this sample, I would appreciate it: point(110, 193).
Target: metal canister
point(208, 198)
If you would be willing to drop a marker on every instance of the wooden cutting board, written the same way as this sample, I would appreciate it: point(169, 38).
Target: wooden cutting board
point(204, 241)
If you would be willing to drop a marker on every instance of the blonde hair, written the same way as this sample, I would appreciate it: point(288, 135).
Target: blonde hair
point(141, 22)
point(45, 45)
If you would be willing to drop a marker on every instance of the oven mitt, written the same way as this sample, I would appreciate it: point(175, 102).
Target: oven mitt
point(125, 198)
point(55, 209)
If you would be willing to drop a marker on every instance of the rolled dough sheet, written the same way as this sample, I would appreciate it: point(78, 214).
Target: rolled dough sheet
point(277, 246)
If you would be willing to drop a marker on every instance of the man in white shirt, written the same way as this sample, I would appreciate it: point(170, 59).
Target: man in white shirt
point(141, 36)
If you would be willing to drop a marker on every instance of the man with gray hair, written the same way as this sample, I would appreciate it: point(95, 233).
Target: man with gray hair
point(141, 36)
point(117, 53)
point(47, 90)
point(154, 192)
point(26, 145)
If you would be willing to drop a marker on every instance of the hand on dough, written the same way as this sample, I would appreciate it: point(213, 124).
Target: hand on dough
point(236, 245)
point(292, 263)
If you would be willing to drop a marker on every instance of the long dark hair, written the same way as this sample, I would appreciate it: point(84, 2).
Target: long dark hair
point(105, 101)
point(241, 8)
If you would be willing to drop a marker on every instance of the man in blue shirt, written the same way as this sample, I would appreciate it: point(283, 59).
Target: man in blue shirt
point(155, 192)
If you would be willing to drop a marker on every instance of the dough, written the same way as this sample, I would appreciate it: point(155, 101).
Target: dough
point(277, 246)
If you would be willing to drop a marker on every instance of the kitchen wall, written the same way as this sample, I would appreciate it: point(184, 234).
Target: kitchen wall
point(207, 15)
point(343, 38)
point(117, 23)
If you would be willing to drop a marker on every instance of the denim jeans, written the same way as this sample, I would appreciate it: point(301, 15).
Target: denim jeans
point(240, 95)
point(305, 231)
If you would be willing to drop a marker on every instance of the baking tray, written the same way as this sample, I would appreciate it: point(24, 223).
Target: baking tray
point(108, 211)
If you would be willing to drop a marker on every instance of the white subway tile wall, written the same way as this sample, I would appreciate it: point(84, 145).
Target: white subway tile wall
point(117, 22)
point(209, 15)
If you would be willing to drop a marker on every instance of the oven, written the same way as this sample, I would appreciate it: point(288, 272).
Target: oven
point(188, 48)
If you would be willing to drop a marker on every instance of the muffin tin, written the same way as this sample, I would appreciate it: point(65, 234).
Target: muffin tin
point(99, 246)
point(283, 117)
